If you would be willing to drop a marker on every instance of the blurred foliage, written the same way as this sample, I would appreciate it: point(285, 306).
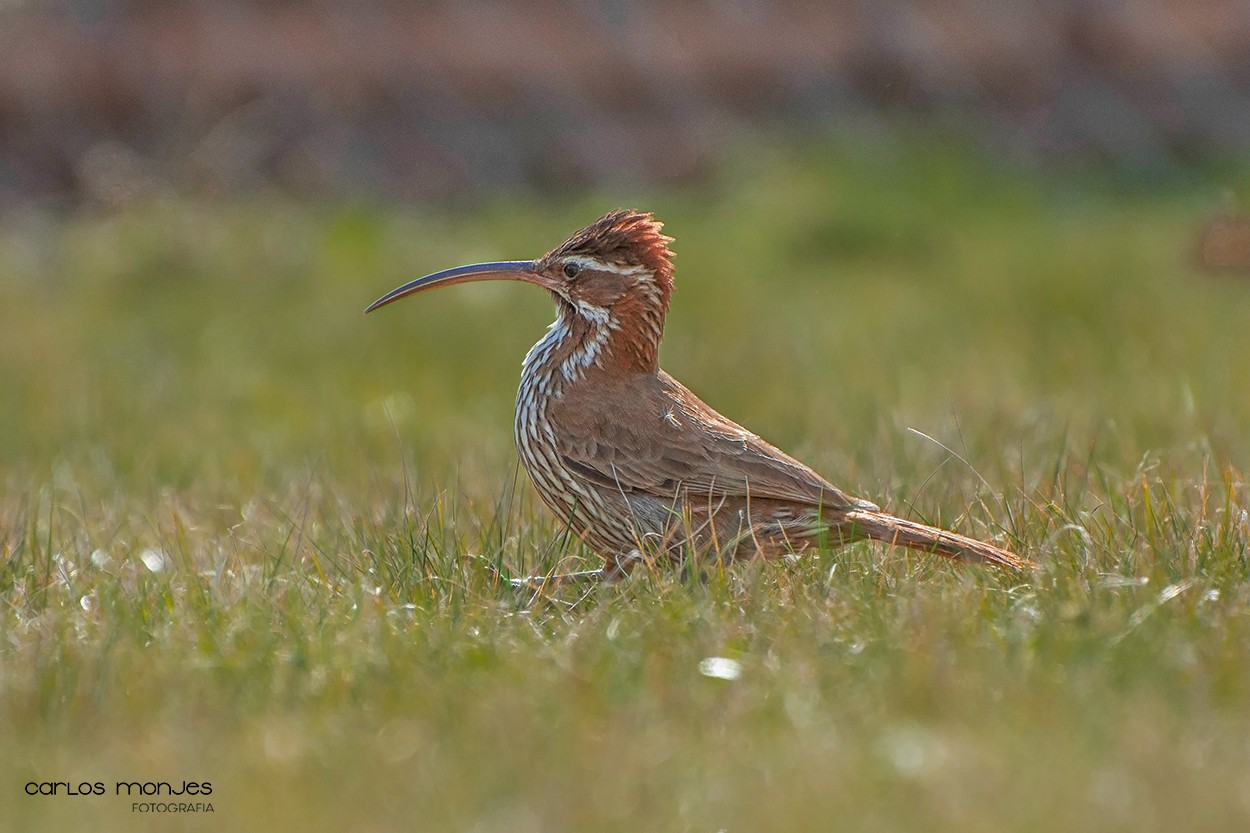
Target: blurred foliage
point(104, 102)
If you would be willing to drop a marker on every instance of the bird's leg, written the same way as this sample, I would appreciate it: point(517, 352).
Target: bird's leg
point(614, 570)
point(564, 579)
point(551, 580)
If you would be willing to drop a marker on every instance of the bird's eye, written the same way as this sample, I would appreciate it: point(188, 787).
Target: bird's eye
point(571, 270)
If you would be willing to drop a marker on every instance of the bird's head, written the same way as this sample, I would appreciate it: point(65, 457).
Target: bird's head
point(621, 258)
point(616, 273)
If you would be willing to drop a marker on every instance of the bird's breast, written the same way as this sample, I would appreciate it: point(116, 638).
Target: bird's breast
point(538, 447)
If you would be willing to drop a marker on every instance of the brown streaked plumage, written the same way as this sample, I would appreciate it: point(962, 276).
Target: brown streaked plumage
point(631, 459)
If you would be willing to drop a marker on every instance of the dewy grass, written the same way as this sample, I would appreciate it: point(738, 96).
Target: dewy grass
point(251, 538)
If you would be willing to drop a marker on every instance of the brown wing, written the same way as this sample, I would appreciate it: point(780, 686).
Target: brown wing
point(651, 435)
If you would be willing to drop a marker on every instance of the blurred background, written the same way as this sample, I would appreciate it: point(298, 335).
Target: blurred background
point(104, 101)
point(982, 262)
point(196, 198)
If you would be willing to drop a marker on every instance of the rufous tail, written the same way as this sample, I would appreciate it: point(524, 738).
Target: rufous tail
point(891, 530)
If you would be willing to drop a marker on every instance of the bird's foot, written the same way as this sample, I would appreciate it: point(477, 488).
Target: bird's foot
point(551, 580)
point(554, 580)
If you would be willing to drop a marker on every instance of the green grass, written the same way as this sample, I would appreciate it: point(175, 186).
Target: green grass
point(190, 386)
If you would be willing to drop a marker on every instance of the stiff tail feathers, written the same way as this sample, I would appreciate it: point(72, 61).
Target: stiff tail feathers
point(889, 529)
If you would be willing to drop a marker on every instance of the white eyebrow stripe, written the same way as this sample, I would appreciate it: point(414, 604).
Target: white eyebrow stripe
point(595, 263)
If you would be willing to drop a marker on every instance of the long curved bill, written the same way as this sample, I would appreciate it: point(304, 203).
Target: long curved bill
point(508, 270)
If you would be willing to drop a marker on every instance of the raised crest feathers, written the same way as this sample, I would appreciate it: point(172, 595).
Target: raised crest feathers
point(624, 237)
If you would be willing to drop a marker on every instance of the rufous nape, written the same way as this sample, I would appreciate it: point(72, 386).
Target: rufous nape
point(629, 458)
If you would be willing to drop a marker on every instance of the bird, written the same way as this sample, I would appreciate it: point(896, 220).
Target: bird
point(634, 463)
